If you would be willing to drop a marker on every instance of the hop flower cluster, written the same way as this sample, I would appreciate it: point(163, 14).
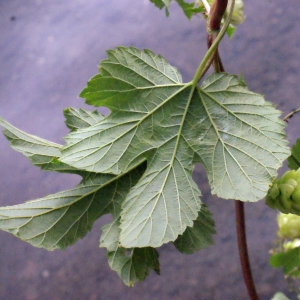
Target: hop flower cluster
point(284, 194)
point(238, 15)
point(289, 228)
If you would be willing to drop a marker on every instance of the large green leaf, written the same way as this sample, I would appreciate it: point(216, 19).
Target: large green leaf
point(233, 132)
point(294, 159)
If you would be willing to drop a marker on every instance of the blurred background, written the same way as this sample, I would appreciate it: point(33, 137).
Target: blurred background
point(49, 49)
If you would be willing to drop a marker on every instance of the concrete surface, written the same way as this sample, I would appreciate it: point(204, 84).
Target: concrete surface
point(49, 49)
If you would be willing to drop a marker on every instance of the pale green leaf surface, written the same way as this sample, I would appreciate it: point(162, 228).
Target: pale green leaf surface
point(294, 159)
point(199, 236)
point(235, 133)
point(59, 220)
point(81, 118)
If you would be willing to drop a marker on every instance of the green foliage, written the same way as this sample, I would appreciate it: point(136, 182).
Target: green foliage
point(284, 194)
point(192, 8)
point(294, 159)
point(288, 226)
point(189, 9)
point(137, 162)
point(289, 260)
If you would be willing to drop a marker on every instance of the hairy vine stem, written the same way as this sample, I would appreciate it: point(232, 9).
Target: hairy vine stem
point(217, 11)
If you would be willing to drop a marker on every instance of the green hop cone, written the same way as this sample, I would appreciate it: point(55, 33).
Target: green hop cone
point(289, 228)
point(284, 194)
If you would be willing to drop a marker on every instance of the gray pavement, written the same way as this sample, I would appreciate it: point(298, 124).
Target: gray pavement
point(48, 50)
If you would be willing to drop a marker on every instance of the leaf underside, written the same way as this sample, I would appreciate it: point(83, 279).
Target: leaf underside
point(137, 163)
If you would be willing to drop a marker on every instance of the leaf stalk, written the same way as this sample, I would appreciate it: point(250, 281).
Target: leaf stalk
point(210, 54)
point(216, 14)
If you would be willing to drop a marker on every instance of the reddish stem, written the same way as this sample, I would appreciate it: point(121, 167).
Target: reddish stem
point(243, 250)
point(217, 62)
point(217, 11)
